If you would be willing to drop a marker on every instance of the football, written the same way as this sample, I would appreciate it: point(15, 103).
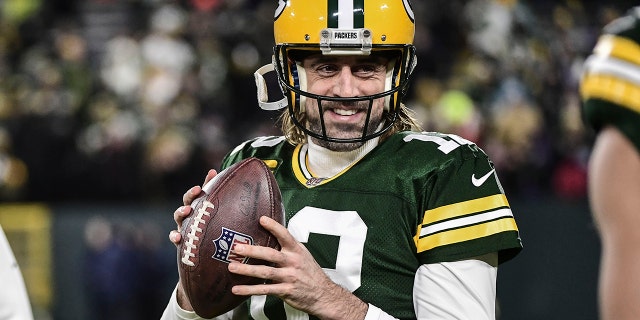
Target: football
point(224, 214)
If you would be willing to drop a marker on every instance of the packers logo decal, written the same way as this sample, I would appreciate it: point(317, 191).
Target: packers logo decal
point(409, 9)
point(281, 5)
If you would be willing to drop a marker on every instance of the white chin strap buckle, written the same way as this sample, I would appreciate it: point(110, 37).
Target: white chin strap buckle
point(263, 92)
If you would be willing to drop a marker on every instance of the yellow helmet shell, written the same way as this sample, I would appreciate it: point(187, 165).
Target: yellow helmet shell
point(302, 22)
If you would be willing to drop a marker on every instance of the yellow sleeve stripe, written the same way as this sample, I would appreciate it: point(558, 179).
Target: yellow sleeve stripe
point(464, 208)
point(612, 89)
point(465, 221)
point(619, 47)
point(465, 234)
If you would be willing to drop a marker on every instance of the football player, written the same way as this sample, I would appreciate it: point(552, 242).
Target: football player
point(610, 89)
point(14, 301)
point(383, 221)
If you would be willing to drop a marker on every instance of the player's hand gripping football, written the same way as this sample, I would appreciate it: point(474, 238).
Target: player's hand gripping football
point(182, 212)
point(295, 277)
point(178, 216)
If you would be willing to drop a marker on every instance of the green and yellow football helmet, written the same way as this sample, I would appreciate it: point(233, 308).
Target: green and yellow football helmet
point(343, 27)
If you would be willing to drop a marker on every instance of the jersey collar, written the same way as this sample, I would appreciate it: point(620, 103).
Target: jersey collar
point(328, 164)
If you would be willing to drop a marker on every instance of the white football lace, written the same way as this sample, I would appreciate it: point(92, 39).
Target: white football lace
point(190, 244)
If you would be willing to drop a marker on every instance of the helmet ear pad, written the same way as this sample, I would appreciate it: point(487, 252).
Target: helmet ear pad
point(299, 81)
point(390, 81)
point(394, 77)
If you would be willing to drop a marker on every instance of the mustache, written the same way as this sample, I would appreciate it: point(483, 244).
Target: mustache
point(358, 105)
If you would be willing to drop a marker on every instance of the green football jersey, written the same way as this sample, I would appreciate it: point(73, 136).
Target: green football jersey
point(610, 85)
point(416, 198)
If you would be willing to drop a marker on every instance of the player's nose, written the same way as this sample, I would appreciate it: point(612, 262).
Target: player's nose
point(345, 85)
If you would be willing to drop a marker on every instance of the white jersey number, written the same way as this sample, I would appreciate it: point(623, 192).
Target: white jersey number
point(444, 145)
point(344, 224)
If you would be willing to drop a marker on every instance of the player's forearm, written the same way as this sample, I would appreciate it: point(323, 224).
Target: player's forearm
point(360, 310)
point(614, 171)
point(183, 300)
point(355, 308)
point(343, 305)
point(174, 311)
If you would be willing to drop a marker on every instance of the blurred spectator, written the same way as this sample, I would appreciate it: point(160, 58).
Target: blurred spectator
point(13, 171)
point(98, 93)
point(124, 265)
point(109, 271)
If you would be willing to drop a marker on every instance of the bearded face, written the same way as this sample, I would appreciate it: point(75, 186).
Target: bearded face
point(344, 77)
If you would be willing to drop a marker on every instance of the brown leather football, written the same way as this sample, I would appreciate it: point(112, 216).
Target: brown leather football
point(226, 213)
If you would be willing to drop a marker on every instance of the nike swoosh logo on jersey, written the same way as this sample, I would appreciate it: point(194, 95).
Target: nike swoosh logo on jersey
point(480, 181)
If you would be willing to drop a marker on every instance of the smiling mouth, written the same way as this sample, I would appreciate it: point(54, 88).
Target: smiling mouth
point(343, 112)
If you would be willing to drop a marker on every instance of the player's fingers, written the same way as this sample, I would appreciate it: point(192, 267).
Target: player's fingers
point(256, 271)
point(212, 173)
point(260, 253)
point(175, 237)
point(279, 231)
point(191, 194)
point(180, 214)
point(260, 289)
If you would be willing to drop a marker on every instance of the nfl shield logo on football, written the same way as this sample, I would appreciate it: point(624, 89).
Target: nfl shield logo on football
point(225, 244)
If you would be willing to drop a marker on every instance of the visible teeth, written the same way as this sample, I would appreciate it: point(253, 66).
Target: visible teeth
point(344, 112)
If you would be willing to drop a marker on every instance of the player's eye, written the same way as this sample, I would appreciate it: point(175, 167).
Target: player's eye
point(366, 70)
point(326, 70)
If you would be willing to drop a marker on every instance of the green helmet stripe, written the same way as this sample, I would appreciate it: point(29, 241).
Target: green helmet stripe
point(358, 14)
point(332, 14)
point(336, 20)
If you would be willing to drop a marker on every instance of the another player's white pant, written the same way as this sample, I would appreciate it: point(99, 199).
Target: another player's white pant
point(14, 301)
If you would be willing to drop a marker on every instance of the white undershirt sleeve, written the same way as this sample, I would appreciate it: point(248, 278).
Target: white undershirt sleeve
point(455, 290)
point(174, 312)
point(375, 313)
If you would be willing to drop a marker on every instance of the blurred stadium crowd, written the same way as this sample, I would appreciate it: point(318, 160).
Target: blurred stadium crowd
point(122, 100)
